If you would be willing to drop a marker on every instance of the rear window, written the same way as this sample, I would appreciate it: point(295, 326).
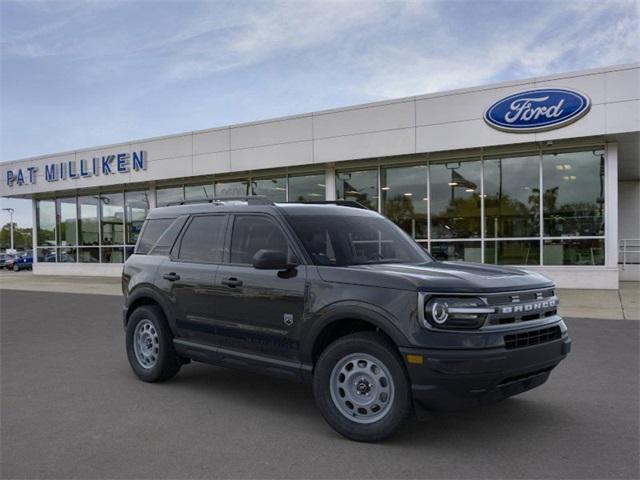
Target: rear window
point(158, 235)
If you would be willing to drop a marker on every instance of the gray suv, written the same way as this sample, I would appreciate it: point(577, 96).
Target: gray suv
point(337, 296)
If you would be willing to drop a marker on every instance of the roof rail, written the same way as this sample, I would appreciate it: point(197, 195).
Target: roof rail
point(341, 203)
point(249, 199)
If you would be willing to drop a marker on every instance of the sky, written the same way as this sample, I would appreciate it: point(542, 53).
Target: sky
point(87, 73)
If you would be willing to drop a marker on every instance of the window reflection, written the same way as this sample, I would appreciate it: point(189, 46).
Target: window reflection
point(573, 193)
point(67, 221)
point(232, 189)
point(512, 252)
point(457, 251)
point(112, 215)
point(169, 195)
point(46, 218)
point(361, 186)
point(88, 220)
point(307, 188)
point(199, 192)
point(404, 198)
point(136, 209)
point(273, 188)
point(455, 200)
point(512, 197)
point(574, 252)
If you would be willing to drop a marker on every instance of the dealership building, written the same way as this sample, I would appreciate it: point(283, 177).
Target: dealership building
point(542, 173)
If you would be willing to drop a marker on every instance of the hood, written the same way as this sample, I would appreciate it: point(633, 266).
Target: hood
point(460, 277)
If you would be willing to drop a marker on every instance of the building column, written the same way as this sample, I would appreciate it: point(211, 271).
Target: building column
point(152, 196)
point(34, 232)
point(611, 205)
point(330, 182)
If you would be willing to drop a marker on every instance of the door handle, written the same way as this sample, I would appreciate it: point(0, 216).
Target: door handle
point(172, 277)
point(232, 282)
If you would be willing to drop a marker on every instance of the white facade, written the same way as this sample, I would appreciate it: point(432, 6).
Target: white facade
point(435, 126)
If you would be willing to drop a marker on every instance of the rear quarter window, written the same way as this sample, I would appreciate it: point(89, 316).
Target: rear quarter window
point(158, 235)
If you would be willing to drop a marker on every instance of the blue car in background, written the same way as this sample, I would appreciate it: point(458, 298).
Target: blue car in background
point(23, 261)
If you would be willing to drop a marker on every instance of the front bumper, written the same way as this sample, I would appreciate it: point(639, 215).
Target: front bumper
point(455, 378)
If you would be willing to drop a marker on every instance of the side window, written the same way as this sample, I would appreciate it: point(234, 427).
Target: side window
point(151, 232)
point(203, 240)
point(252, 233)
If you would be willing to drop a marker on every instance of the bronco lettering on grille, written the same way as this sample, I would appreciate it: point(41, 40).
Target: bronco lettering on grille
point(529, 307)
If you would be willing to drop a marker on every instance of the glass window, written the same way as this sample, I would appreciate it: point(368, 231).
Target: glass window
point(512, 252)
point(232, 189)
point(360, 186)
point(67, 221)
point(88, 221)
point(112, 216)
point(512, 197)
point(112, 254)
point(89, 255)
point(136, 209)
point(574, 252)
point(151, 232)
point(66, 255)
point(198, 192)
point(46, 255)
point(404, 198)
point(457, 251)
point(169, 195)
point(573, 198)
point(273, 188)
point(307, 188)
point(252, 233)
point(339, 240)
point(203, 240)
point(46, 210)
point(455, 200)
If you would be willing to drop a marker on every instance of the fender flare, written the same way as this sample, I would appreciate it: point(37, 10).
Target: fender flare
point(352, 310)
point(148, 291)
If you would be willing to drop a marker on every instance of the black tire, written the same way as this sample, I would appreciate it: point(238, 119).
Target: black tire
point(16, 268)
point(166, 364)
point(379, 347)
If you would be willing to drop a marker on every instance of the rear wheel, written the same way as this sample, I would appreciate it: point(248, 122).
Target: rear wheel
point(361, 387)
point(16, 268)
point(149, 345)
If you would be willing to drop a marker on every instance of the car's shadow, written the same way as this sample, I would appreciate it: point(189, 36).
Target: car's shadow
point(295, 403)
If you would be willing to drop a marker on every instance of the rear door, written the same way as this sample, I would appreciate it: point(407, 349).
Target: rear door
point(259, 311)
point(190, 275)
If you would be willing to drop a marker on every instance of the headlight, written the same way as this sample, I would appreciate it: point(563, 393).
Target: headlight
point(454, 312)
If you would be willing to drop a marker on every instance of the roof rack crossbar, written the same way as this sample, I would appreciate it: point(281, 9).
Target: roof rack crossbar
point(250, 199)
point(342, 203)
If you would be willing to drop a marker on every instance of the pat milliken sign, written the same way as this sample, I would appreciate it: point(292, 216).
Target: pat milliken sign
point(537, 110)
point(104, 165)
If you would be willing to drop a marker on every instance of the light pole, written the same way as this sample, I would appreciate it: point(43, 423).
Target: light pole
point(10, 210)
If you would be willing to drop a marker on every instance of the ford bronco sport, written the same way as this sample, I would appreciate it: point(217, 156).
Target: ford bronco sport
point(340, 297)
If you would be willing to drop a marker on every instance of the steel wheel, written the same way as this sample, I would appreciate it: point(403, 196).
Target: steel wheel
point(362, 388)
point(146, 344)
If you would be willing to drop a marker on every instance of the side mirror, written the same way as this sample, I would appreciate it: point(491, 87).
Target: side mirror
point(271, 260)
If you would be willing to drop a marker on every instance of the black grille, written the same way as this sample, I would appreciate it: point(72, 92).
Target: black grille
point(516, 299)
point(533, 337)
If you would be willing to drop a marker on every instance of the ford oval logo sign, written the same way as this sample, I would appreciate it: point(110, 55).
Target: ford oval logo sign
point(537, 110)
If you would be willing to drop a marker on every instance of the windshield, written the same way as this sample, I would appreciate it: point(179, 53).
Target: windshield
point(336, 240)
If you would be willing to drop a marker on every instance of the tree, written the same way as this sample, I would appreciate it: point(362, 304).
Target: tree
point(22, 237)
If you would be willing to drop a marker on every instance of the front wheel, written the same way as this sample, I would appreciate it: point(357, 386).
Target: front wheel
point(149, 345)
point(361, 387)
point(16, 268)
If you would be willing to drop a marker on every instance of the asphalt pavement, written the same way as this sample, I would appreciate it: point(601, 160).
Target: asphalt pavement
point(71, 408)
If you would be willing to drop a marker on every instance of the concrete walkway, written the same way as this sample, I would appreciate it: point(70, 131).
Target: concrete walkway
point(623, 304)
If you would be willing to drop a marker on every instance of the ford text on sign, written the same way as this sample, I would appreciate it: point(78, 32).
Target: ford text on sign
point(537, 110)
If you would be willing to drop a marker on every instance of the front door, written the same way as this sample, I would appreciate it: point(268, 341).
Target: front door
point(260, 310)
